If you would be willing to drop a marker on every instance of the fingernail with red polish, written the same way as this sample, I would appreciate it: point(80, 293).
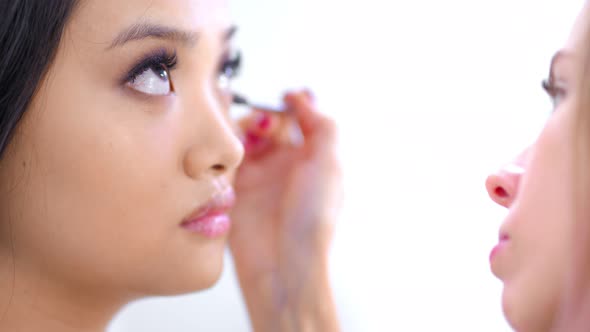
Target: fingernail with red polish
point(251, 140)
point(264, 121)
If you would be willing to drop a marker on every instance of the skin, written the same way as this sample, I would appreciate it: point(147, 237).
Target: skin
point(284, 272)
point(538, 189)
point(100, 176)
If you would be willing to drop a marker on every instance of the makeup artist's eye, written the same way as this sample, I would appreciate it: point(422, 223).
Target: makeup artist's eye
point(555, 90)
point(229, 69)
point(152, 75)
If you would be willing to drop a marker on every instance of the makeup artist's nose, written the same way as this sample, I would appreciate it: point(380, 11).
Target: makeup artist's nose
point(503, 185)
point(215, 150)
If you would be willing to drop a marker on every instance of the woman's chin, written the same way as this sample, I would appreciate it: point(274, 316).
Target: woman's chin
point(510, 313)
point(188, 283)
point(200, 277)
point(523, 316)
point(191, 272)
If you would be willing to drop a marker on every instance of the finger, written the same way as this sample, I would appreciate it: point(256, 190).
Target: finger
point(301, 106)
point(263, 132)
point(316, 127)
point(260, 123)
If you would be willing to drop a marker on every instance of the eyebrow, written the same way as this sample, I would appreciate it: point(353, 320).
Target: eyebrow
point(150, 30)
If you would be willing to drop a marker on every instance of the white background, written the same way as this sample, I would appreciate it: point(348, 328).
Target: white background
point(430, 97)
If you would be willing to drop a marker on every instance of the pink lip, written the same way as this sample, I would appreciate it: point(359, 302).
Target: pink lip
point(212, 219)
point(502, 242)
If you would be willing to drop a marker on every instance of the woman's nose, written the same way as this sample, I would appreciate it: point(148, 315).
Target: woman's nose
point(214, 147)
point(503, 185)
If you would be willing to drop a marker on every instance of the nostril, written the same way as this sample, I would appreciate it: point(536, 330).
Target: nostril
point(218, 168)
point(501, 192)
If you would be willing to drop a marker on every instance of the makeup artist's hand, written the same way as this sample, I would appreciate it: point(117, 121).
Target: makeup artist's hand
point(288, 197)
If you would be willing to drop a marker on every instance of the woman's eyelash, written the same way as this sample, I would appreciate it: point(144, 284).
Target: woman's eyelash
point(231, 65)
point(161, 59)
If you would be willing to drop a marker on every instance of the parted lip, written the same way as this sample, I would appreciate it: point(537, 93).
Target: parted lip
point(503, 236)
point(219, 203)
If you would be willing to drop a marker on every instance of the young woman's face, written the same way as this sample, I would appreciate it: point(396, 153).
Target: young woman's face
point(538, 189)
point(127, 138)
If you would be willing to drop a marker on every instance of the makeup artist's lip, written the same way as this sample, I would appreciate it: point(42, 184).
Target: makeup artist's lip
point(212, 219)
point(503, 241)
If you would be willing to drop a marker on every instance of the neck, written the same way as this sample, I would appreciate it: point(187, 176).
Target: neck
point(31, 301)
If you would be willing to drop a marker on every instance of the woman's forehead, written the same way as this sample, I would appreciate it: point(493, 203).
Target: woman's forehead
point(101, 20)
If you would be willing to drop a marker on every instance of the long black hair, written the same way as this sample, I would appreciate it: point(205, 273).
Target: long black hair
point(30, 32)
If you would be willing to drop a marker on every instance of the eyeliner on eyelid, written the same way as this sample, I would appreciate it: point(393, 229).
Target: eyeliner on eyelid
point(160, 57)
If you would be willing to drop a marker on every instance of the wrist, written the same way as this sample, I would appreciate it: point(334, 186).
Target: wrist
point(310, 306)
point(284, 301)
